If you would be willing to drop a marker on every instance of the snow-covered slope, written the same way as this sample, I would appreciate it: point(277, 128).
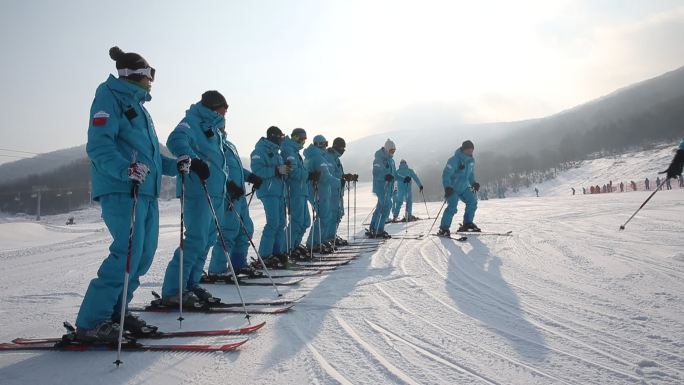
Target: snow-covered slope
point(634, 166)
point(566, 300)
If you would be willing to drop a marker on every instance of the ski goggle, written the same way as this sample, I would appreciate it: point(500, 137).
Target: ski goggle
point(146, 72)
point(321, 144)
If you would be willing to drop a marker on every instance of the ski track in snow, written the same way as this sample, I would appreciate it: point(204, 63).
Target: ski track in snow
point(567, 299)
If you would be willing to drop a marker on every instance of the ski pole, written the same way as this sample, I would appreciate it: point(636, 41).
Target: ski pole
point(124, 293)
point(426, 208)
point(437, 217)
point(231, 206)
point(314, 208)
point(348, 208)
point(181, 252)
point(225, 249)
point(354, 209)
point(251, 195)
point(406, 213)
point(643, 204)
point(363, 222)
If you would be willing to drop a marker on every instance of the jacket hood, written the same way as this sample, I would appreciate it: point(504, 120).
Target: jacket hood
point(211, 117)
point(266, 144)
point(291, 144)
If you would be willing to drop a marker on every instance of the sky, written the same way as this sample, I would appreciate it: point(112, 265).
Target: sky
point(339, 68)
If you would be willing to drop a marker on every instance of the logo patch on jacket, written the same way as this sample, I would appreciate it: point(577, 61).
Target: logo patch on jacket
point(100, 118)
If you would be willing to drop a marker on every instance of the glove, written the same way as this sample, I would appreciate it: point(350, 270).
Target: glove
point(676, 166)
point(199, 167)
point(183, 164)
point(355, 177)
point(314, 176)
point(137, 172)
point(348, 177)
point(283, 169)
point(254, 180)
point(407, 179)
point(234, 191)
point(421, 188)
point(389, 177)
point(476, 186)
point(448, 192)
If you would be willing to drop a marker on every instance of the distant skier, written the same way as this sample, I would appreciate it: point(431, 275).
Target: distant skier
point(268, 164)
point(458, 179)
point(634, 186)
point(658, 183)
point(647, 183)
point(622, 187)
point(384, 175)
point(405, 177)
point(536, 191)
point(197, 139)
point(573, 190)
point(584, 191)
point(124, 151)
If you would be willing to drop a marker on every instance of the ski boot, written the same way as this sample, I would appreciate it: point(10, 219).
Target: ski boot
point(341, 242)
point(204, 295)
point(272, 262)
point(413, 218)
point(189, 299)
point(215, 277)
point(469, 227)
point(443, 232)
point(104, 333)
point(250, 272)
point(384, 235)
point(136, 326)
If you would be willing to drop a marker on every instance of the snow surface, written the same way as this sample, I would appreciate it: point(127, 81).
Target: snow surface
point(633, 166)
point(567, 299)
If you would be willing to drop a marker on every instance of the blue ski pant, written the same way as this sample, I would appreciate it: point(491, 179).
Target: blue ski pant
point(382, 212)
point(200, 236)
point(403, 194)
point(470, 200)
point(102, 300)
point(301, 220)
point(237, 241)
point(273, 236)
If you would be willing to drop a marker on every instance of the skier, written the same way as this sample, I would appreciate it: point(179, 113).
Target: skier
point(405, 177)
point(573, 191)
point(647, 183)
point(622, 187)
point(458, 179)
point(658, 183)
point(333, 155)
point(384, 174)
point(536, 191)
point(198, 139)
point(321, 177)
point(268, 164)
point(237, 238)
point(124, 151)
point(297, 191)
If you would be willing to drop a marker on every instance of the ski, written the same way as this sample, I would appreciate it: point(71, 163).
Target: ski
point(159, 335)
point(250, 282)
point(134, 347)
point(216, 308)
point(325, 264)
point(459, 239)
point(310, 268)
point(503, 234)
point(292, 275)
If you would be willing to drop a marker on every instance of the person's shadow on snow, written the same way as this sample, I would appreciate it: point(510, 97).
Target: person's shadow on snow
point(475, 284)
